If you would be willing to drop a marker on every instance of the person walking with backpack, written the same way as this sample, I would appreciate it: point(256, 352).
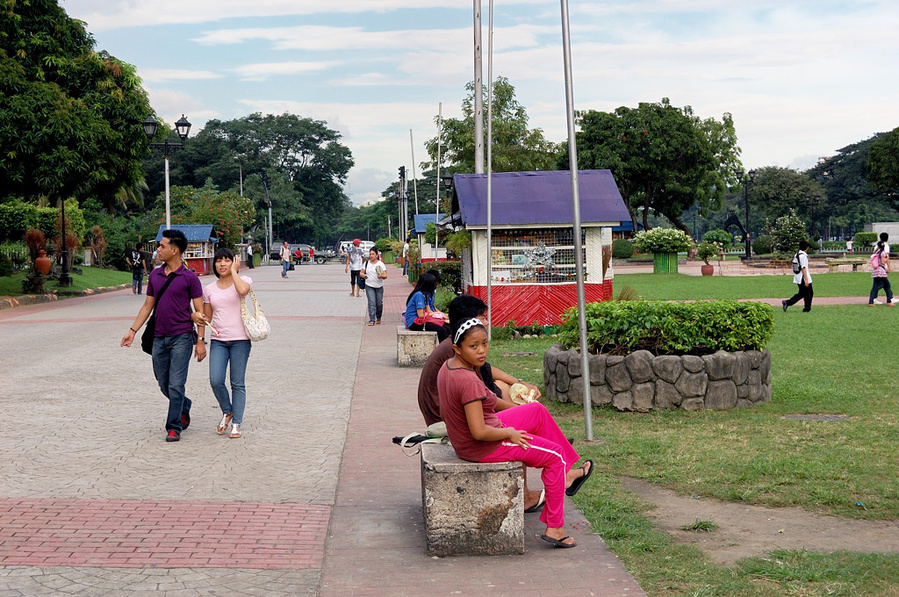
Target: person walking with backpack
point(880, 268)
point(802, 278)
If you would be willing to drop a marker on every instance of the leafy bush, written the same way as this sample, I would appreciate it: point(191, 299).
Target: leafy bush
point(622, 327)
point(763, 245)
point(787, 231)
point(450, 274)
point(865, 239)
point(17, 255)
point(722, 237)
point(662, 240)
point(622, 248)
point(707, 250)
point(384, 245)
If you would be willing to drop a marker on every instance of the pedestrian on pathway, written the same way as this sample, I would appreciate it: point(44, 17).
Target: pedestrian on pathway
point(374, 275)
point(230, 343)
point(250, 256)
point(880, 263)
point(406, 256)
point(285, 259)
point(354, 257)
point(803, 281)
point(137, 261)
point(174, 337)
point(481, 431)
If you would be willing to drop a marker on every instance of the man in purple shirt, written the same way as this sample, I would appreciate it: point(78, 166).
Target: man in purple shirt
point(174, 337)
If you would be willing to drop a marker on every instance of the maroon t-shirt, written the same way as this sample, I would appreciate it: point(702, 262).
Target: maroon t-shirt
point(458, 387)
point(428, 398)
point(174, 309)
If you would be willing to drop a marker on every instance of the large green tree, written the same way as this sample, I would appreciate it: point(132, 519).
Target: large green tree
point(516, 148)
point(305, 160)
point(883, 163)
point(69, 116)
point(665, 159)
point(775, 192)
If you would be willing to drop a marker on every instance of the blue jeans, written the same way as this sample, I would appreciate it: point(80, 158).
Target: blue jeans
point(137, 281)
point(238, 353)
point(881, 282)
point(284, 267)
point(171, 357)
point(375, 302)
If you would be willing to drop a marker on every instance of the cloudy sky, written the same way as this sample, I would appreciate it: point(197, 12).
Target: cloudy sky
point(802, 79)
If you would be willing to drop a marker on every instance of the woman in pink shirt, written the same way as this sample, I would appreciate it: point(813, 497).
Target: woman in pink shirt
point(229, 343)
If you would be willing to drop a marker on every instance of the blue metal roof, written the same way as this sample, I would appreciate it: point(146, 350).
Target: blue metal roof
point(195, 233)
point(421, 221)
point(535, 198)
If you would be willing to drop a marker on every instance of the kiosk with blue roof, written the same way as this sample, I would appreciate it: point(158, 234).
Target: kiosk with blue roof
point(200, 246)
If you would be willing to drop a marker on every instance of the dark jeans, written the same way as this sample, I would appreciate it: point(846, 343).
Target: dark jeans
point(171, 357)
point(881, 282)
point(375, 302)
point(805, 293)
point(442, 330)
point(137, 280)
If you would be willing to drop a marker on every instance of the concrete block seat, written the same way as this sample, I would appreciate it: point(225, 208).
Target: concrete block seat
point(471, 508)
point(414, 348)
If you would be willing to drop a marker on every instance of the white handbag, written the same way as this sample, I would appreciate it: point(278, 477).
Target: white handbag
point(255, 324)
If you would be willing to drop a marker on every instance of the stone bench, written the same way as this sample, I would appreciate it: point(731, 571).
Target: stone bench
point(471, 508)
point(833, 265)
point(414, 348)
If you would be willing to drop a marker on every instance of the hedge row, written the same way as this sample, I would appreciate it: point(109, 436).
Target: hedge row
point(622, 327)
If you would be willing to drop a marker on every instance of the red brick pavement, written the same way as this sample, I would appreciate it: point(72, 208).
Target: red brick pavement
point(163, 534)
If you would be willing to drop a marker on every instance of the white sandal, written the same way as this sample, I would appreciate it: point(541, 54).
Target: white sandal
point(235, 431)
point(223, 424)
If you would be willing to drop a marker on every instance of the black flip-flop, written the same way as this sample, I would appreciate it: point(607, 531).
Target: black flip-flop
point(576, 484)
point(541, 501)
point(559, 542)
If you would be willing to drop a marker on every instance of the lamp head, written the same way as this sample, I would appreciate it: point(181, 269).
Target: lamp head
point(183, 127)
point(150, 125)
point(447, 179)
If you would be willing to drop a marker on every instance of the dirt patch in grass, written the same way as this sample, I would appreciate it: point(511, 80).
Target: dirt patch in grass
point(745, 531)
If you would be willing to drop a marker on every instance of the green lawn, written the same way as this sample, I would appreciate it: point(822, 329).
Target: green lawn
point(684, 287)
point(821, 363)
point(91, 277)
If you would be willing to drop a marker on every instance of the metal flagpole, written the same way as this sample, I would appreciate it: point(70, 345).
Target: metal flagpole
point(478, 94)
point(489, 169)
point(414, 182)
point(576, 212)
point(437, 199)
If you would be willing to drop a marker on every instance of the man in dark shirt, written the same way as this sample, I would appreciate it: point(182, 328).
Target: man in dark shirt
point(174, 337)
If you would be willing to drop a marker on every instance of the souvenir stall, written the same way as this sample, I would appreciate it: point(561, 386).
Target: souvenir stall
point(200, 246)
point(532, 255)
point(426, 249)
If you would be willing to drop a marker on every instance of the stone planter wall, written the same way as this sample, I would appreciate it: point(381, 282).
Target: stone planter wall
point(642, 382)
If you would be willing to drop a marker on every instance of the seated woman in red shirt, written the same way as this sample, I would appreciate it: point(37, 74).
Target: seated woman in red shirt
point(526, 433)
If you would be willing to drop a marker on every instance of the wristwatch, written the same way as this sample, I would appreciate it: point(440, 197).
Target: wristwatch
point(203, 340)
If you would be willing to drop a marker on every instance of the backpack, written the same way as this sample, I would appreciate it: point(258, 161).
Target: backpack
point(797, 267)
point(875, 260)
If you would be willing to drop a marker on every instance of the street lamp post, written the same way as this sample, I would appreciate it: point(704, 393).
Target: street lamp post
point(64, 278)
point(183, 127)
point(265, 181)
point(240, 171)
point(746, 182)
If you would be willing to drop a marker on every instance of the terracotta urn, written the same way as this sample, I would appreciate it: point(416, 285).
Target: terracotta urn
point(42, 263)
point(707, 269)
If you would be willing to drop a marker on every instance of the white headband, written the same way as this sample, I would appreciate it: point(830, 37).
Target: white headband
point(466, 326)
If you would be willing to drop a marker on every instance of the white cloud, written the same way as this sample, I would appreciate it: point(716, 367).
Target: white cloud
point(262, 71)
point(170, 74)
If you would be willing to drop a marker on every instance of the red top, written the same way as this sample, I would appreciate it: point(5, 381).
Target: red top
point(458, 387)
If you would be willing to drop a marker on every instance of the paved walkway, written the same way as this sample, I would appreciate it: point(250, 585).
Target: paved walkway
point(314, 500)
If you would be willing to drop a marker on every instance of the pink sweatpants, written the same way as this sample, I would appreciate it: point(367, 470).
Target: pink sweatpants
point(549, 451)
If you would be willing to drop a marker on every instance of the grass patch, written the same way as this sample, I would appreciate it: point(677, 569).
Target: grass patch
point(684, 287)
point(821, 364)
point(91, 277)
point(700, 526)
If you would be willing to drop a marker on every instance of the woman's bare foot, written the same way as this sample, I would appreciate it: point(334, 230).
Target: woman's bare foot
point(531, 499)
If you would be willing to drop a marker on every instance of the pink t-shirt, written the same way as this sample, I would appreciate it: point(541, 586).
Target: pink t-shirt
point(226, 311)
point(458, 387)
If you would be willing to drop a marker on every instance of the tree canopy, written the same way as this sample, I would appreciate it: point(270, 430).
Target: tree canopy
point(883, 163)
point(516, 148)
point(664, 159)
point(69, 116)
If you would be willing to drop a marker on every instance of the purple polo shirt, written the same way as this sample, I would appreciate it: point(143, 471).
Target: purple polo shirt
point(174, 309)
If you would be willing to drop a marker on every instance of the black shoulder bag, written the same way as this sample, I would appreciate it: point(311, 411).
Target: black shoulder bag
point(146, 340)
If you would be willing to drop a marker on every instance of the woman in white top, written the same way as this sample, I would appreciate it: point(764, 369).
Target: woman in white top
point(374, 273)
point(230, 343)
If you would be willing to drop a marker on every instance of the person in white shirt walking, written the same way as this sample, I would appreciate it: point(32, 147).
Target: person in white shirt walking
point(803, 281)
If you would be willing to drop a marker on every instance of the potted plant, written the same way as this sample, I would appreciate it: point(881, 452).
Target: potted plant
point(40, 263)
point(706, 251)
point(664, 244)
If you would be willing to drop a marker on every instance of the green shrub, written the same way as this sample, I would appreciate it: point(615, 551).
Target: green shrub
point(622, 249)
point(865, 239)
point(622, 327)
point(383, 245)
point(787, 231)
point(763, 245)
point(450, 274)
point(17, 255)
point(662, 240)
point(722, 237)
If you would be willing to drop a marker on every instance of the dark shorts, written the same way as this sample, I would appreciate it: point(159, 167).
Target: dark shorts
point(354, 277)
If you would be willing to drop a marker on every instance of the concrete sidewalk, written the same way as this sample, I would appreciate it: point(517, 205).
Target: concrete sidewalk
point(314, 500)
